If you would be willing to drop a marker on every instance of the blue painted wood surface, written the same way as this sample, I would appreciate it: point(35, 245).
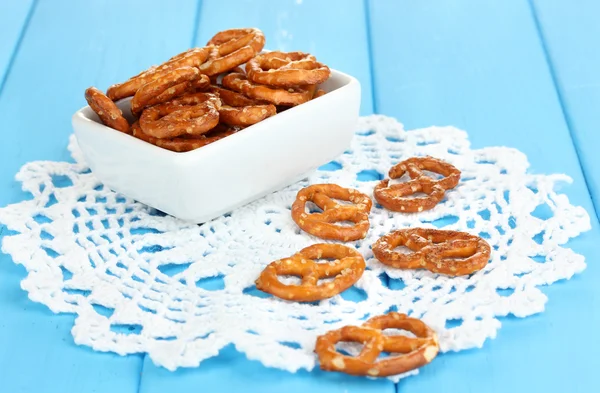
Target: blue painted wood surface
point(479, 65)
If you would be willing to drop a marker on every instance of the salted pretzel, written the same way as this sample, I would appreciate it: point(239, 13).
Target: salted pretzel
point(414, 352)
point(165, 87)
point(286, 69)
point(231, 48)
point(106, 109)
point(323, 224)
point(345, 270)
point(185, 143)
point(191, 58)
point(239, 110)
point(278, 96)
point(396, 197)
point(319, 93)
point(447, 252)
point(193, 114)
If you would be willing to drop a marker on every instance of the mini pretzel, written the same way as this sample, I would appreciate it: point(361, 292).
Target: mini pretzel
point(319, 93)
point(106, 109)
point(240, 110)
point(323, 224)
point(286, 69)
point(232, 48)
point(185, 143)
point(440, 251)
point(193, 57)
point(396, 197)
point(346, 270)
point(278, 96)
point(416, 352)
point(193, 114)
point(164, 88)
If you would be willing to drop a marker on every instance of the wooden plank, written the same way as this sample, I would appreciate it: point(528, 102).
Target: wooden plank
point(479, 65)
point(69, 46)
point(13, 22)
point(570, 34)
point(335, 32)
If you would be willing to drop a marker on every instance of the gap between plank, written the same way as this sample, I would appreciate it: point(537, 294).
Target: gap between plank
point(367, 12)
point(18, 45)
point(196, 24)
point(561, 102)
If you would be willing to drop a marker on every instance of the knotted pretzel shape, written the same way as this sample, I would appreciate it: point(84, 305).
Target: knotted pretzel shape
point(239, 110)
point(323, 224)
point(231, 48)
point(279, 96)
point(415, 352)
point(346, 270)
point(106, 109)
point(286, 69)
point(396, 197)
point(447, 252)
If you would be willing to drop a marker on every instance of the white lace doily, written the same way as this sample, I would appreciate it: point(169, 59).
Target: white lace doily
point(140, 281)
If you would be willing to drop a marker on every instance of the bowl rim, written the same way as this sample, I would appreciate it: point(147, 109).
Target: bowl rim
point(82, 116)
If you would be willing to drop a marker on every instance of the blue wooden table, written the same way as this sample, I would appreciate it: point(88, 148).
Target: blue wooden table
point(509, 72)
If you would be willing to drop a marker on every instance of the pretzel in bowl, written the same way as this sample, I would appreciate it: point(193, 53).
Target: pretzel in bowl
point(193, 114)
point(414, 352)
point(323, 224)
point(345, 270)
point(397, 197)
point(289, 69)
point(106, 109)
point(278, 96)
point(239, 110)
point(231, 48)
point(184, 143)
point(446, 252)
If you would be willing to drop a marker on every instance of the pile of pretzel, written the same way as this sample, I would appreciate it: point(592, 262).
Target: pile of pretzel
point(203, 94)
point(343, 215)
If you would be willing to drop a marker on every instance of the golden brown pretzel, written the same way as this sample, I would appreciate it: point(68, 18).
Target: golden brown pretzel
point(441, 251)
point(415, 352)
point(192, 58)
point(192, 114)
point(239, 110)
point(231, 48)
point(289, 69)
point(164, 88)
point(186, 143)
point(323, 224)
point(106, 109)
point(396, 197)
point(347, 268)
point(278, 96)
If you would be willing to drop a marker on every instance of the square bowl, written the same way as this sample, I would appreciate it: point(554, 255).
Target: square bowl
point(202, 184)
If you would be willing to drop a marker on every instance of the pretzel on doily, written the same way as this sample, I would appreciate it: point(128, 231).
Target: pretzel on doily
point(166, 87)
point(447, 252)
point(414, 352)
point(278, 96)
point(231, 48)
point(323, 224)
point(192, 114)
point(184, 143)
point(239, 110)
point(397, 197)
point(286, 69)
point(345, 270)
point(106, 109)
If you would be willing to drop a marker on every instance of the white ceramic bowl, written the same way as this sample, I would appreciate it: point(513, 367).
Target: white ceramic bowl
point(203, 184)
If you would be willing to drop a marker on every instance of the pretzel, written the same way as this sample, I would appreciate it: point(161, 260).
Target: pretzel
point(193, 57)
point(440, 251)
point(185, 143)
point(240, 110)
point(106, 109)
point(193, 114)
point(396, 197)
point(289, 69)
point(165, 87)
point(415, 352)
point(231, 48)
point(278, 96)
point(319, 93)
point(347, 268)
point(323, 224)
